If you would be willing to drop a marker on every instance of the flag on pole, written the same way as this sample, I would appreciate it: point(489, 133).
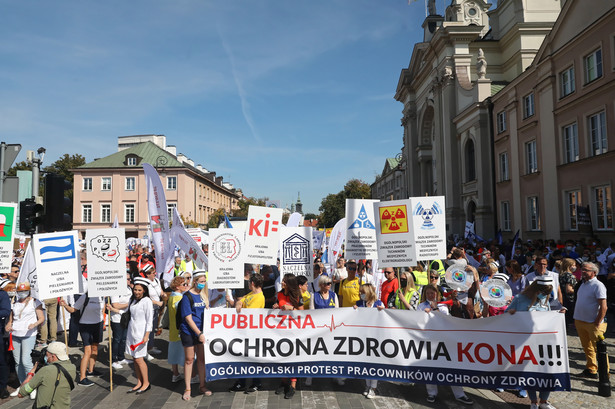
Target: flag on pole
point(338, 236)
point(116, 223)
point(28, 270)
point(227, 222)
point(514, 244)
point(183, 240)
point(159, 223)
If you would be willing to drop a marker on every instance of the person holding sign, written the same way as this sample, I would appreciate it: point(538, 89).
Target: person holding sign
point(192, 307)
point(140, 326)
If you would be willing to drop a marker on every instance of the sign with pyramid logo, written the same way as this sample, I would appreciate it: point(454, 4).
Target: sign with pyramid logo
point(361, 229)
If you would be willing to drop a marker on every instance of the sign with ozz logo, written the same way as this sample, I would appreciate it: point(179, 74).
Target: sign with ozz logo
point(8, 213)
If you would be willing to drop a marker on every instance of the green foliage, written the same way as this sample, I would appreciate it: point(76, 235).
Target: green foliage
point(245, 203)
point(214, 218)
point(333, 206)
point(23, 165)
point(63, 165)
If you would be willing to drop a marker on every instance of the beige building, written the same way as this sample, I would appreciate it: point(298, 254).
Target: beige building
point(468, 54)
point(115, 186)
point(390, 184)
point(553, 128)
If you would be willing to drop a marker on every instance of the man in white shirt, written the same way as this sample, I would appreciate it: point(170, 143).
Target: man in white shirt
point(540, 268)
point(589, 313)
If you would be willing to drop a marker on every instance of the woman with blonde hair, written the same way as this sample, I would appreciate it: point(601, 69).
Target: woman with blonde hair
point(192, 307)
point(406, 297)
point(567, 282)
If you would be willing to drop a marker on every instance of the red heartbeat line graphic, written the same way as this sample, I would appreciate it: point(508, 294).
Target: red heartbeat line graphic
point(333, 326)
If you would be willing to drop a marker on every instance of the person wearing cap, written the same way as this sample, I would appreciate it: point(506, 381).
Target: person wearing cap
point(5, 311)
point(26, 315)
point(44, 381)
point(192, 307)
point(535, 297)
point(139, 328)
point(589, 312)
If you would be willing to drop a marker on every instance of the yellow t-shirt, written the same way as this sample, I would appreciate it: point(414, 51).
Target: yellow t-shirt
point(254, 300)
point(349, 291)
point(306, 296)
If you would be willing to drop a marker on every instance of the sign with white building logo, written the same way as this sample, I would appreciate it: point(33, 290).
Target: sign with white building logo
point(296, 251)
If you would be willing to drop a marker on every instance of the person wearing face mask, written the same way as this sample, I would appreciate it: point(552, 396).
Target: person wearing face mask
point(536, 298)
point(406, 297)
point(5, 311)
point(26, 315)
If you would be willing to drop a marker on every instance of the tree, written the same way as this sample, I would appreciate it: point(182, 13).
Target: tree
point(23, 165)
point(63, 165)
point(214, 218)
point(244, 205)
point(333, 206)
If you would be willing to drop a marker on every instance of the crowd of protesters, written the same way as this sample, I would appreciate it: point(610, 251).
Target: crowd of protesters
point(575, 278)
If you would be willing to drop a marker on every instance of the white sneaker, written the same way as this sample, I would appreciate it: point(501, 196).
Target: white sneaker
point(154, 351)
point(149, 357)
point(366, 391)
point(371, 394)
point(195, 379)
point(534, 406)
point(176, 378)
point(125, 361)
point(546, 405)
point(33, 395)
point(15, 393)
point(117, 365)
point(308, 381)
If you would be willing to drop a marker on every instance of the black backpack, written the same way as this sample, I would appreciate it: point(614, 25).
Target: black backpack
point(178, 314)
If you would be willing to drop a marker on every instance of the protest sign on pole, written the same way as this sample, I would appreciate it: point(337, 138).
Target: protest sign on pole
point(395, 234)
point(227, 251)
point(429, 226)
point(263, 235)
point(525, 350)
point(296, 251)
point(8, 217)
point(57, 264)
point(361, 229)
point(106, 251)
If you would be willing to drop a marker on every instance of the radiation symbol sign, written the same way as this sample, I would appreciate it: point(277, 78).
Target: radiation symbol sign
point(393, 219)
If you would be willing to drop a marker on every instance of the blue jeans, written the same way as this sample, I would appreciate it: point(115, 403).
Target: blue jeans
point(22, 348)
point(544, 395)
point(119, 341)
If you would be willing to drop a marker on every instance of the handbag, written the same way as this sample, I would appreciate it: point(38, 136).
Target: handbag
point(125, 318)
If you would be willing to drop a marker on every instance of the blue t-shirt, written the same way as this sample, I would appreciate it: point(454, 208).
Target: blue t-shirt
point(197, 311)
point(377, 304)
point(320, 302)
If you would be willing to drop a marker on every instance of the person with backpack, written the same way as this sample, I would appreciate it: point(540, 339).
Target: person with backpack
point(179, 285)
point(192, 307)
point(54, 381)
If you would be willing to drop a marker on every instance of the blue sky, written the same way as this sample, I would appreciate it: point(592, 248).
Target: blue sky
point(277, 96)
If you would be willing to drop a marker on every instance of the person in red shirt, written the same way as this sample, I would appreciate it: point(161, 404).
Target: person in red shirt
point(389, 286)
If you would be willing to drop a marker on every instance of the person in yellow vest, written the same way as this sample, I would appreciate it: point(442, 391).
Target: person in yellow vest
point(421, 278)
point(438, 265)
point(406, 297)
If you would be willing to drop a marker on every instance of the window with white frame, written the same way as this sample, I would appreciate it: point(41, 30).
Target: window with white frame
point(505, 216)
point(571, 143)
point(528, 105)
point(87, 184)
point(566, 79)
point(573, 200)
point(129, 213)
point(533, 213)
point(170, 207)
point(531, 160)
point(130, 183)
point(131, 161)
point(597, 133)
point(593, 66)
point(86, 213)
point(501, 121)
point(504, 166)
point(105, 213)
point(603, 208)
point(172, 183)
point(105, 184)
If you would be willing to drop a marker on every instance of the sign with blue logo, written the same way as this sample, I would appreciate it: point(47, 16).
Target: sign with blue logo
point(361, 229)
point(296, 251)
point(57, 264)
point(429, 222)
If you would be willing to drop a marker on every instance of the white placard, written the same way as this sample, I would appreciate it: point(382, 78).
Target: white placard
point(226, 258)
point(263, 235)
point(57, 264)
point(361, 240)
point(296, 251)
point(8, 217)
point(429, 222)
point(395, 234)
point(106, 250)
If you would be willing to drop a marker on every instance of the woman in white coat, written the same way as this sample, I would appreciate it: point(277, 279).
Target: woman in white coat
point(139, 327)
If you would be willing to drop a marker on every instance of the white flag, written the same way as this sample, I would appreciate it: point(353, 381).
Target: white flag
point(159, 223)
point(338, 236)
point(28, 270)
point(294, 220)
point(182, 239)
point(116, 223)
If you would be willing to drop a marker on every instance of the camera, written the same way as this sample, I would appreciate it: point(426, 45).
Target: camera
point(38, 357)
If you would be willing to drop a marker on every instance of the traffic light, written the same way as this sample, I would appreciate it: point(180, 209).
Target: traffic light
point(56, 203)
point(28, 220)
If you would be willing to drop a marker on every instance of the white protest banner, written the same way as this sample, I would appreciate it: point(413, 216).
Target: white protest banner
point(360, 230)
point(395, 234)
point(106, 251)
point(262, 235)
point(317, 239)
point(8, 218)
point(429, 222)
point(525, 350)
point(336, 240)
point(296, 251)
point(294, 220)
point(57, 264)
point(159, 223)
point(227, 251)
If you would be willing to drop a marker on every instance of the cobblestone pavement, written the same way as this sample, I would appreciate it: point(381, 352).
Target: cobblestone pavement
point(324, 393)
